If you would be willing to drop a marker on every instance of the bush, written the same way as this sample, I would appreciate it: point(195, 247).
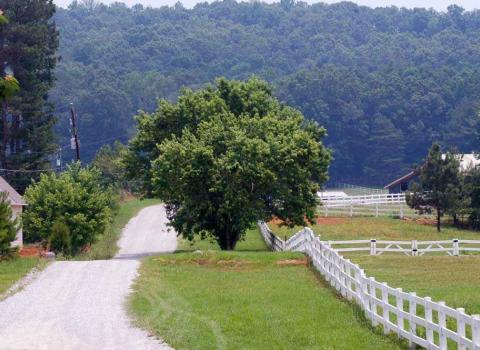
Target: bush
point(60, 240)
point(8, 226)
point(74, 197)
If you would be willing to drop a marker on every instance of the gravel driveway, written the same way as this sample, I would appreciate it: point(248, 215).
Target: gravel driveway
point(80, 304)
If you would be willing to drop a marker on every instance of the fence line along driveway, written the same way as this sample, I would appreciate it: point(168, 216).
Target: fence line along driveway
point(80, 304)
point(429, 324)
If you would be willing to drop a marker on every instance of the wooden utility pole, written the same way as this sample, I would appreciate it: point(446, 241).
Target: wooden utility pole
point(74, 140)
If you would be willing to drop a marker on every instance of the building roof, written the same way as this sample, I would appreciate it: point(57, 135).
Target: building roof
point(404, 178)
point(467, 161)
point(14, 197)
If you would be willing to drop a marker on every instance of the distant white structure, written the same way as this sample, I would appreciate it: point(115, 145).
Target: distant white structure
point(17, 203)
point(329, 195)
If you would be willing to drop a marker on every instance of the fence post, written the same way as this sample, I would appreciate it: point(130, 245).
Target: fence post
point(326, 210)
point(351, 210)
point(456, 247)
point(476, 330)
point(386, 312)
point(373, 302)
point(414, 248)
point(376, 210)
point(284, 244)
point(412, 310)
point(442, 323)
point(461, 327)
point(373, 246)
point(399, 302)
point(429, 319)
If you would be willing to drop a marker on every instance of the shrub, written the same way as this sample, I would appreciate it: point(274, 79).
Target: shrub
point(60, 240)
point(8, 226)
point(74, 197)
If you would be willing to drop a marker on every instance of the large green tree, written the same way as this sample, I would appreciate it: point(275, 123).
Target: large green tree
point(440, 186)
point(228, 155)
point(28, 45)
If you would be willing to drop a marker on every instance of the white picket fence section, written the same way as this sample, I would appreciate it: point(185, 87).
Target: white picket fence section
point(423, 322)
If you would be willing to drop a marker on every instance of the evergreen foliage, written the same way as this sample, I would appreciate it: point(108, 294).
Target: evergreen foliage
point(9, 226)
point(384, 82)
point(440, 185)
point(228, 155)
point(60, 240)
point(28, 45)
point(75, 198)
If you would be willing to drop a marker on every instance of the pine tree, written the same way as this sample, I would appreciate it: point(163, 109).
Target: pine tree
point(8, 226)
point(28, 45)
point(440, 185)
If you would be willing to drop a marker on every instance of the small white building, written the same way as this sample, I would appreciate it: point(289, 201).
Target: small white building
point(17, 203)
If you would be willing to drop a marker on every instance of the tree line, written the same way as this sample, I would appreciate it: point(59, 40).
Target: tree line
point(384, 82)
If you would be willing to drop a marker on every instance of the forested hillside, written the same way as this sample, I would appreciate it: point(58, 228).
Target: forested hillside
point(384, 82)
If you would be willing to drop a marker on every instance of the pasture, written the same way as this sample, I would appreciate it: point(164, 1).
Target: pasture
point(248, 299)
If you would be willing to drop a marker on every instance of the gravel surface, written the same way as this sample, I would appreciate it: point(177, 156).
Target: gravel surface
point(80, 304)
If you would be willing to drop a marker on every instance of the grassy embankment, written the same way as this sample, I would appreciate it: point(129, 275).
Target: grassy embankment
point(455, 280)
point(247, 299)
point(14, 269)
point(106, 246)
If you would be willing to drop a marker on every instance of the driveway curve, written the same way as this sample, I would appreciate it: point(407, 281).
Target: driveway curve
point(80, 304)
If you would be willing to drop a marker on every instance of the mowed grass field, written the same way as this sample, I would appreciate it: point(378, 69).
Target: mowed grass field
point(14, 269)
point(247, 299)
point(455, 280)
point(339, 228)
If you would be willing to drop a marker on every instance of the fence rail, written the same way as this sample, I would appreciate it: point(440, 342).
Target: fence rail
point(371, 199)
point(429, 324)
point(365, 205)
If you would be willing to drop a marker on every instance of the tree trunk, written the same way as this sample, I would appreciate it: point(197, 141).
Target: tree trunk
point(228, 240)
point(438, 220)
point(456, 221)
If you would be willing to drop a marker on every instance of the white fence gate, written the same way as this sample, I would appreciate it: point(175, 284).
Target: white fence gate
point(429, 324)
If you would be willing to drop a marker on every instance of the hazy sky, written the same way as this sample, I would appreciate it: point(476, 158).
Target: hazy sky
point(437, 4)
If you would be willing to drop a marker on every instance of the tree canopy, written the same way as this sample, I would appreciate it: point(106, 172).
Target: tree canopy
point(384, 82)
point(440, 187)
point(228, 155)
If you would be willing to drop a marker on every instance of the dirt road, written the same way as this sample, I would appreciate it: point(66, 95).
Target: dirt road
point(80, 304)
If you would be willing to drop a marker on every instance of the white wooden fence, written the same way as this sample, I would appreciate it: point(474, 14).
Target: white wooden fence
point(452, 247)
point(423, 322)
point(370, 205)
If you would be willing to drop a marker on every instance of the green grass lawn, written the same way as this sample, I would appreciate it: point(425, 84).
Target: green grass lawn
point(455, 280)
point(379, 228)
point(106, 246)
point(14, 269)
point(247, 299)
